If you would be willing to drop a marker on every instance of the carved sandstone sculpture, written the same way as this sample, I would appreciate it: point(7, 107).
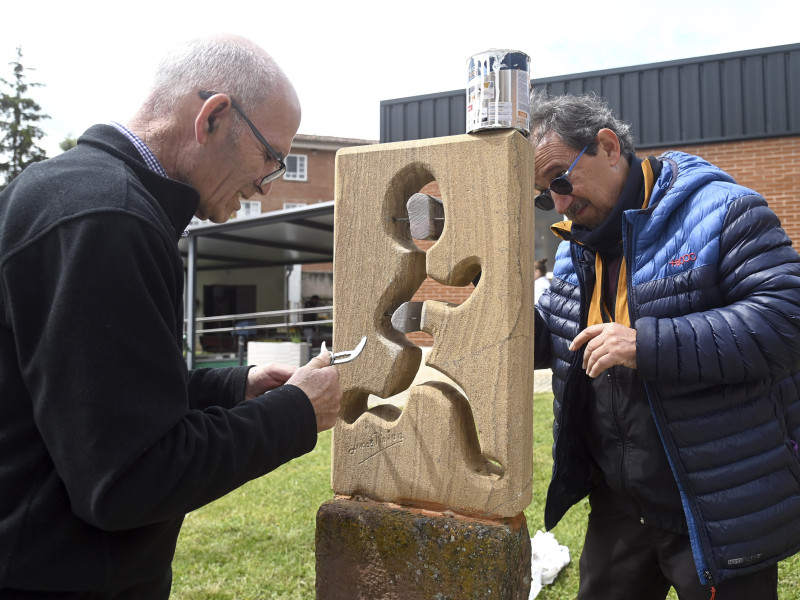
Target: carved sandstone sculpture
point(468, 452)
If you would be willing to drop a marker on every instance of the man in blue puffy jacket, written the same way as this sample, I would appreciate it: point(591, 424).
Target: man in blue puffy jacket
point(671, 328)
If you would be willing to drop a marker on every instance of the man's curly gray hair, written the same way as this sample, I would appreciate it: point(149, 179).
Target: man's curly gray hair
point(576, 120)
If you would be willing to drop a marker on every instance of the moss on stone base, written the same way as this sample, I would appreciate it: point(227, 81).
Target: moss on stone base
point(371, 550)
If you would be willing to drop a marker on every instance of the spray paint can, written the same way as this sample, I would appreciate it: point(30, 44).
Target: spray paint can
point(498, 91)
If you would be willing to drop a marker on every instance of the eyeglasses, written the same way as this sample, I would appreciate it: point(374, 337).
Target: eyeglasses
point(560, 185)
point(275, 156)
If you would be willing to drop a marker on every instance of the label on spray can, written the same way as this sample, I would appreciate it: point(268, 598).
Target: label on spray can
point(498, 91)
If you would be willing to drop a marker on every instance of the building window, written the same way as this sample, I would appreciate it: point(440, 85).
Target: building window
point(296, 167)
point(250, 208)
point(288, 205)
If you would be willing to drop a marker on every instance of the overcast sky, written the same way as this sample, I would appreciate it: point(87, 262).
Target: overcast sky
point(344, 57)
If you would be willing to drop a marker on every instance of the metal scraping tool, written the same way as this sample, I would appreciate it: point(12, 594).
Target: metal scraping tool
point(338, 358)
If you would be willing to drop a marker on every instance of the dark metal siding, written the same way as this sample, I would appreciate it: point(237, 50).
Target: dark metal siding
point(726, 97)
point(432, 115)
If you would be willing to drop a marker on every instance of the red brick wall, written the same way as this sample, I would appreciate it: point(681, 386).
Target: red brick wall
point(318, 186)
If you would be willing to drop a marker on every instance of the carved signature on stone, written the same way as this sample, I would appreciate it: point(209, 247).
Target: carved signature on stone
point(377, 443)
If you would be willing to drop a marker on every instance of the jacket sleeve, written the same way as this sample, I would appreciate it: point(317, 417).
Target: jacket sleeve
point(217, 387)
point(95, 305)
point(754, 332)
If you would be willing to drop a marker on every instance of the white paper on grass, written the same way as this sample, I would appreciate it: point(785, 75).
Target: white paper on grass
point(548, 557)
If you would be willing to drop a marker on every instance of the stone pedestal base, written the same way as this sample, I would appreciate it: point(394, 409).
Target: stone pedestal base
point(377, 551)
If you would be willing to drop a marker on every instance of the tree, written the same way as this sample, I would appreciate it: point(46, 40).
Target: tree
point(18, 131)
point(68, 142)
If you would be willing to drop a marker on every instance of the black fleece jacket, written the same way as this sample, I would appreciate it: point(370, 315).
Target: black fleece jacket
point(106, 440)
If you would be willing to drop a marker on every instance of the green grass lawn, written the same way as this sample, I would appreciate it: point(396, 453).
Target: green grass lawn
point(257, 543)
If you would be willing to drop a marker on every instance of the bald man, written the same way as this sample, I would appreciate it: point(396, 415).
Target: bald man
point(106, 440)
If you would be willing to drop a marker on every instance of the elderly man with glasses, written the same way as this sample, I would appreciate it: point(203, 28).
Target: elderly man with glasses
point(106, 440)
point(671, 325)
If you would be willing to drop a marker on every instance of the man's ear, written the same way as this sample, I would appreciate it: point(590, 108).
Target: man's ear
point(608, 144)
point(208, 119)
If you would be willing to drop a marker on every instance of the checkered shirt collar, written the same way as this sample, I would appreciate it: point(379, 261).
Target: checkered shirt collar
point(149, 158)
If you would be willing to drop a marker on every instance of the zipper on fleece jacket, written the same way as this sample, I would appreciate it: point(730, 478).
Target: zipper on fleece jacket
point(623, 458)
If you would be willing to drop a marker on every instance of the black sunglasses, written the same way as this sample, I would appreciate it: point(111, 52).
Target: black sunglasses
point(560, 185)
point(275, 156)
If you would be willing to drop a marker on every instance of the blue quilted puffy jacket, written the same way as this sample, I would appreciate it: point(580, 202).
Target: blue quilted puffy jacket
point(714, 295)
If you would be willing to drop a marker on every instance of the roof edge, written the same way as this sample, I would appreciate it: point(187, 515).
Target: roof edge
point(617, 70)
